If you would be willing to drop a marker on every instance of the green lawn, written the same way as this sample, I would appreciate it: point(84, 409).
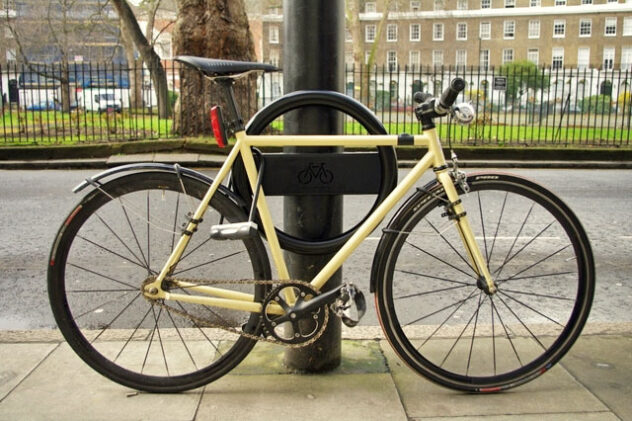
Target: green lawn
point(55, 127)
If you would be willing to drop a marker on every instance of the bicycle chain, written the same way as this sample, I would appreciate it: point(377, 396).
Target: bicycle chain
point(200, 322)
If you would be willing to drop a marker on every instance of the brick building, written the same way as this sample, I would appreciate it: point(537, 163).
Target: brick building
point(488, 33)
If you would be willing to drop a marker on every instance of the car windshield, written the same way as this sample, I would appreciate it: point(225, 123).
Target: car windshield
point(107, 97)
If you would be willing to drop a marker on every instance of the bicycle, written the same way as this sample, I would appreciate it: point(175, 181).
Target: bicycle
point(479, 300)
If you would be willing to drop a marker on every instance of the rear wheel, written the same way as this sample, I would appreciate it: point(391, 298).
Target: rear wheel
point(119, 236)
point(438, 318)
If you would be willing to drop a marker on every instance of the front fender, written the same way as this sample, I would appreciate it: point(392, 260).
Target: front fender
point(430, 190)
point(121, 170)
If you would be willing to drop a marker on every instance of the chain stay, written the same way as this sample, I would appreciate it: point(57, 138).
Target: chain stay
point(200, 322)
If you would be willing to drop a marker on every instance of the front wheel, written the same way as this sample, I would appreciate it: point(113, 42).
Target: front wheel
point(117, 238)
point(440, 321)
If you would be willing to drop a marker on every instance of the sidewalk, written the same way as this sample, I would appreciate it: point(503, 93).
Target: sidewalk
point(42, 379)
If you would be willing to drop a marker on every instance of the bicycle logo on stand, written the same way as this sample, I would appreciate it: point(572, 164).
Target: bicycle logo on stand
point(315, 171)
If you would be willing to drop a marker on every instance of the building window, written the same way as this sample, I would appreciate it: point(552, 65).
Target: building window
point(437, 57)
point(559, 29)
point(508, 55)
point(369, 7)
point(560, 2)
point(415, 32)
point(438, 5)
point(483, 59)
point(533, 55)
point(611, 27)
point(627, 27)
point(534, 29)
point(437, 32)
point(392, 60)
point(585, 27)
point(583, 58)
point(461, 4)
point(486, 4)
point(414, 59)
point(485, 31)
point(557, 61)
point(11, 55)
point(274, 34)
point(349, 59)
point(608, 58)
point(415, 6)
point(535, 3)
point(509, 29)
point(461, 31)
point(369, 33)
point(461, 58)
point(391, 32)
point(587, 1)
point(510, 3)
point(626, 59)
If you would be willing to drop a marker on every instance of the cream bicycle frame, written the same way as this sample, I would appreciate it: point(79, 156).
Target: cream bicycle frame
point(219, 297)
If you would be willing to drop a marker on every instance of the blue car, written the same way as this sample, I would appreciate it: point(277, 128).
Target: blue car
point(43, 106)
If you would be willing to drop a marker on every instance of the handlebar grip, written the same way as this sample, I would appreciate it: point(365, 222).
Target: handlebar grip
point(449, 95)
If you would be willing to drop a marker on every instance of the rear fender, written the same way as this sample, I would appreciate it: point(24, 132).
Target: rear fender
point(119, 171)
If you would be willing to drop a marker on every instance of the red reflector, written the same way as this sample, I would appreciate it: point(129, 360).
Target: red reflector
point(218, 126)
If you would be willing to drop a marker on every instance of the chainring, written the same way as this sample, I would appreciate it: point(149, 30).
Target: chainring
point(283, 319)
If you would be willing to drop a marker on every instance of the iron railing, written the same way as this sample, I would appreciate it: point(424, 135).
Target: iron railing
point(564, 107)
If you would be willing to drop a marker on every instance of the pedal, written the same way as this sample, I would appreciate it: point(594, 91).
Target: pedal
point(350, 306)
point(236, 231)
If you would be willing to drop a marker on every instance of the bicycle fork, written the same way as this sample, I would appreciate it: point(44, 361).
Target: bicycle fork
point(456, 212)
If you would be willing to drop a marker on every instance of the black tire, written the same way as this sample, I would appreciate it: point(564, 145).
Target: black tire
point(444, 326)
point(110, 243)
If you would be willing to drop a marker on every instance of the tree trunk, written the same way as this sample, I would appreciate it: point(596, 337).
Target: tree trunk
point(149, 56)
point(213, 29)
point(135, 70)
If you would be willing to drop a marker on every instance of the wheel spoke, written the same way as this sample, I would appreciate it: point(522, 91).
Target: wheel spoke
point(143, 261)
point(113, 252)
point(132, 287)
point(536, 263)
point(108, 325)
point(469, 275)
point(438, 278)
point(450, 245)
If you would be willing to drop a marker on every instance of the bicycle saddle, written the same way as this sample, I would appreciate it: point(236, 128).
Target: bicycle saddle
point(217, 67)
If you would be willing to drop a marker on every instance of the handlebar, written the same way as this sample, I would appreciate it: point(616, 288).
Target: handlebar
point(431, 107)
point(449, 95)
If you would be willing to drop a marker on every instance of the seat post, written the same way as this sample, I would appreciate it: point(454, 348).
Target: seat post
point(227, 85)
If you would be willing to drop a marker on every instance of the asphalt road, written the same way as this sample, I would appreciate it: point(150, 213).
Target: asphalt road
point(33, 204)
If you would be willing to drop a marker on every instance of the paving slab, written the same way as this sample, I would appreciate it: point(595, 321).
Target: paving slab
point(18, 361)
point(128, 159)
point(175, 157)
point(64, 388)
point(556, 392)
point(593, 416)
point(357, 357)
point(346, 397)
point(603, 364)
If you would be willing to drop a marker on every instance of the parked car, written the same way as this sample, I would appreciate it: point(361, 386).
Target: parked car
point(43, 106)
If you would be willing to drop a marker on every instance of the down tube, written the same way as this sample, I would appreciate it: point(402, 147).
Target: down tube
point(373, 221)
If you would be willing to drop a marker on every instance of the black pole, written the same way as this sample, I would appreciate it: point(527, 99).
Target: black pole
point(313, 59)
